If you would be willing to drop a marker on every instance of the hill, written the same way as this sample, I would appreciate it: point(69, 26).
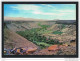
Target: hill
point(21, 19)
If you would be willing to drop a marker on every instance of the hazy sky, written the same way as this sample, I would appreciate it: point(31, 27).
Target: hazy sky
point(41, 11)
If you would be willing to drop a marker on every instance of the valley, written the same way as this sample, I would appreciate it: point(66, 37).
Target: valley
point(48, 37)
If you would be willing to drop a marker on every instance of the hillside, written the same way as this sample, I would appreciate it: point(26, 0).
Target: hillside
point(13, 40)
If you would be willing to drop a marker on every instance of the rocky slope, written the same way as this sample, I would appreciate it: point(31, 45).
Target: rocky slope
point(13, 40)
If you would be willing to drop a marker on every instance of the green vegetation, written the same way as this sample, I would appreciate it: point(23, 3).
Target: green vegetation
point(35, 37)
point(43, 29)
point(57, 32)
point(63, 26)
point(43, 26)
point(42, 44)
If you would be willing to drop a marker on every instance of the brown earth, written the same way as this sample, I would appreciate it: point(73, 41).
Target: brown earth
point(17, 41)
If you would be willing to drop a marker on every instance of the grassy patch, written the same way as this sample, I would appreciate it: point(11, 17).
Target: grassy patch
point(57, 32)
point(44, 31)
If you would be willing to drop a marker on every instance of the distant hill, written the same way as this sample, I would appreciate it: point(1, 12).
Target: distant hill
point(21, 19)
point(32, 19)
point(66, 21)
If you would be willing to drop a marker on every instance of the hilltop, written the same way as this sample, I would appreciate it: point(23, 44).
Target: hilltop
point(22, 19)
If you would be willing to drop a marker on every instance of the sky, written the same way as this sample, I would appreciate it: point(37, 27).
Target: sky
point(41, 11)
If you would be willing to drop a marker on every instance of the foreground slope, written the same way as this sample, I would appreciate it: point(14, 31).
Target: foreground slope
point(14, 40)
